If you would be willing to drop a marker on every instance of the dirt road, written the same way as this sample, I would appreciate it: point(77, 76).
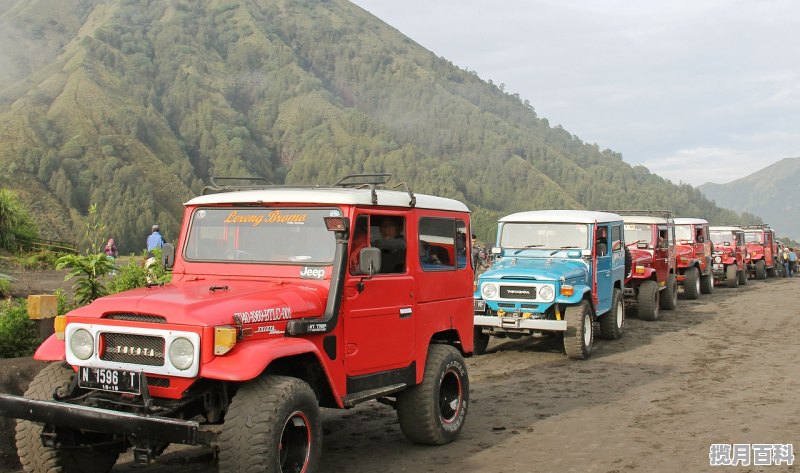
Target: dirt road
point(718, 370)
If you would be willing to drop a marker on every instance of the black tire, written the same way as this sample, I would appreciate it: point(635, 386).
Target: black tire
point(772, 272)
point(707, 283)
point(579, 335)
point(669, 298)
point(647, 301)
point(761, 269)
point(628, 262)
point(35, 457)
point(481, 341)
point(743, 277)
point(272, 425)
point(611, 322)
point(691, 283)
point(731, 276)
point(433, 412)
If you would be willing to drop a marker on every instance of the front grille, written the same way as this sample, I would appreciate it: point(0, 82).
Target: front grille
point(156, 319)
point(506, 305)
point(518, 292)
point(133, 349)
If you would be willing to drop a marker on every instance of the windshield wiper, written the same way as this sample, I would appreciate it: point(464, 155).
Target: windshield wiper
point(526, 247)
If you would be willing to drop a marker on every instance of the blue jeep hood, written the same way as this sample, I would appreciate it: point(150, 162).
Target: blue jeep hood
point(543, 269)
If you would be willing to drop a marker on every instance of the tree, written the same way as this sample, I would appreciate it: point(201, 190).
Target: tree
point(15, 224)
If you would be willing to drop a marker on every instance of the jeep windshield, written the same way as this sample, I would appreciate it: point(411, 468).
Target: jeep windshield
point(544, 236)
point(638, 232)
point(682, 233)
point(754, 237)
point(260, 235)
point(723, 237)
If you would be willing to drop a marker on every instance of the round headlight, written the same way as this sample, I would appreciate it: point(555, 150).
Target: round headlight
point(489, 291)
point(181, 353)
point(82, 344)
point(748, 256)
point(717, 259)
point(546, 293)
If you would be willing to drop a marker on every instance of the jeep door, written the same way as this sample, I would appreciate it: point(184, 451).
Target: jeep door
point(603, 279)
point(661, 254)
point(378, 310)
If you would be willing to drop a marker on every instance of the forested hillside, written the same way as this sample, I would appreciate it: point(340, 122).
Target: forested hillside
point(133, 104)
point(771, 193)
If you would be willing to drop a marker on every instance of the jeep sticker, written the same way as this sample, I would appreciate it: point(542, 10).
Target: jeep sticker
point(264, 315)
point(317, 327)
point(309, 272)
point(256, 219)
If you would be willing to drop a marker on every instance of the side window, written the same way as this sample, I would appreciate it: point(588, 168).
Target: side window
point(616, 238)
point(700, 234)
point(437, 243)
point(663, 236)
point(461, 244)
point(601, 241)
point(388, 234)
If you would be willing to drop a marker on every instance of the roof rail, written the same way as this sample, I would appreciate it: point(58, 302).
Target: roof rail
point(754, 226)
point(667, 214)
point(372, 181)
point(217, 186)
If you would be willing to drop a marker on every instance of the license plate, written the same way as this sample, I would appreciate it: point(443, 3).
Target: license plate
point(480, 305)
point(109, 380)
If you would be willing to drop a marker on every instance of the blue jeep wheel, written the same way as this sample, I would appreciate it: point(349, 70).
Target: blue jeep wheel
point(580, 332)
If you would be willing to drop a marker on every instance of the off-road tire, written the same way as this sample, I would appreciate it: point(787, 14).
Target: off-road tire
point(481, 341)
point(272, 425)
point(628, 262)
point(579, 336)
point(772, 272)
point(691, 283)
point(433, 412)
point(669, 298)
point(732, 276)
point(35, 457)
point(611, 322)
point(743, 277)
point(647, 301)
point(707, 283)
point(761, 269)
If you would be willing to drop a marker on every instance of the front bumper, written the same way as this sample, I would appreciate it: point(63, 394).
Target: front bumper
point(162, 429)
point(507, 322)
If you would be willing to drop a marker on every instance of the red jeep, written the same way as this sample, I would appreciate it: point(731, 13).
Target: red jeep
point(694, 250)
point(760, 241)
point(651, 284)
point(729, 257)
point(282, 300)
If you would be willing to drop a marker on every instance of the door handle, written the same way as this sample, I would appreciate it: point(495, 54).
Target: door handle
point(405, 312)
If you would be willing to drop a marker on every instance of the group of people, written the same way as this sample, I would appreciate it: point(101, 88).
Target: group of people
point(154, 241)
point(788, 258)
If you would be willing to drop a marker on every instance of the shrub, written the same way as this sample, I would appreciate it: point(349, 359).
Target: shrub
point(18, 335)
point(129, 276)
point(88, 271)
point(5, 288)
point(43, 259)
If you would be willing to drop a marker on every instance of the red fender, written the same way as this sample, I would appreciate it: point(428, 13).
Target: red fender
point(52, 349)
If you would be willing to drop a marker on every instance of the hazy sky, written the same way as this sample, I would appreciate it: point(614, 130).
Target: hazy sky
point(696, 90)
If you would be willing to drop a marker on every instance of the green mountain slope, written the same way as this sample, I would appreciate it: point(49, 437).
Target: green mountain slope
point(771, 193)
point(134, 104)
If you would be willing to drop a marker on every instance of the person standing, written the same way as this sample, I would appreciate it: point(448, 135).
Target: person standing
point(155, 240)
point(111, 249)
point(792, 262)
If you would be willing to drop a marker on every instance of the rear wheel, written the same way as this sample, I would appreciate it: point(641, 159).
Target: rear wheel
point(433, 412)
point(579, 335)
point(35, 457)
point(669, 299)
point(481, 340)
point(272, 425)
point(732, 276)
point(761, 269)
point(647, 301)
point(612, 321)
point(743, 277)
point(691, 283)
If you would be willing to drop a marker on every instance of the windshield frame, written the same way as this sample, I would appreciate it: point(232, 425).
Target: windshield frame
point(521, 244)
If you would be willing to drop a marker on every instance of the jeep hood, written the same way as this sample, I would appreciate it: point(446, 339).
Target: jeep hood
point(684, 250)
point(215, 302)
point(641, 257)
point(543, 269)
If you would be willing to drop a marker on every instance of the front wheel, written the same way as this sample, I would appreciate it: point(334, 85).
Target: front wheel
point(670, 297)
point(579, 335)
point(481, 341)
point(743, 277)
point(761, 269)
point(647, 304)
point(273, 425)
point(691, 283)
point(707, 283)
point(612, 321)
point(732, 276)
point(75, 453)
point(433, 412)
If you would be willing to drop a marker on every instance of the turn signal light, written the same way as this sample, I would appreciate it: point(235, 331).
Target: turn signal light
point(640, 270)
point(224, 339)
point(567, 290)
point(59, 326)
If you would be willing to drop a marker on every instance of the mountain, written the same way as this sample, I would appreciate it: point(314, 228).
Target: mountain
point(133, 104)
point(772, 193)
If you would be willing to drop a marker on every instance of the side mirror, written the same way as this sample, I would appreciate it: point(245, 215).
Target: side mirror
point(586, 253)
point(700, 239)
point(168, 255)
point(496, 250)
point(370, 261)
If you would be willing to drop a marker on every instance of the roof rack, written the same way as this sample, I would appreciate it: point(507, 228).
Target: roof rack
point(754, 226)
point(372, 181)
point(666, 214)
point(217, 186)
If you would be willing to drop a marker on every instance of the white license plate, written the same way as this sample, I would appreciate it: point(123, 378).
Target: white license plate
point(107, 379)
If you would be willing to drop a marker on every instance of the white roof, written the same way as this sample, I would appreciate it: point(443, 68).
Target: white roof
point(643, 219)
point(725, 229)
point(690, 221)
point(562, 216)
point(328, 195)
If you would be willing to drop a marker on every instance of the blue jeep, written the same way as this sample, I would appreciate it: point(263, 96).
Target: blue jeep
point(555, 271)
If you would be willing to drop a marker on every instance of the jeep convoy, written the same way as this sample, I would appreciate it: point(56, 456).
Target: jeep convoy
point(555, 271)
point(729, 256)
point(693, 254)
point(282, 300)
